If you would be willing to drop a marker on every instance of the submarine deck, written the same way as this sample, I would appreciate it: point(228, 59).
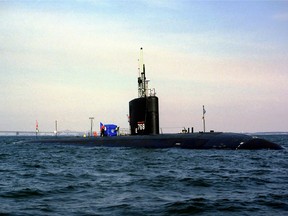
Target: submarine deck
point(215, 140)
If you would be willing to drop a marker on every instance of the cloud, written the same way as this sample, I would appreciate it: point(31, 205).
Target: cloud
point(281, 17)
point(52, 33)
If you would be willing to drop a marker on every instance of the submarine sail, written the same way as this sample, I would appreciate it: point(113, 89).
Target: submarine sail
point(144, 116)
point(144, 110)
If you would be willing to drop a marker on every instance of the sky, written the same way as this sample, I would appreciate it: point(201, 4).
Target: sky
point(71, 60)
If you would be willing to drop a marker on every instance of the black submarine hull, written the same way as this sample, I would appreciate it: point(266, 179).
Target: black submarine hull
point(230, 141)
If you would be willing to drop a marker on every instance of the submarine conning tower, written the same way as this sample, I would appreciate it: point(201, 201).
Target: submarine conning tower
point(144, 110)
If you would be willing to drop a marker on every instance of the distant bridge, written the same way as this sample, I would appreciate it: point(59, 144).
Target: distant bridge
point(123, 131)
point(40, 133)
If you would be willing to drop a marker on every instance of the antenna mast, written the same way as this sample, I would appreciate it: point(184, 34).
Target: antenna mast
point(142, 78)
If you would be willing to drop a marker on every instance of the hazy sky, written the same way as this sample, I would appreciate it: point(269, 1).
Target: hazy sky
point(69, 60)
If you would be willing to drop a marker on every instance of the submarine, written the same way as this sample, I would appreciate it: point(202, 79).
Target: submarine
point(144, 129)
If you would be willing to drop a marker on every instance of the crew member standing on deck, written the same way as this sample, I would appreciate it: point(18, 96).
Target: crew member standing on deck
point(102, 130)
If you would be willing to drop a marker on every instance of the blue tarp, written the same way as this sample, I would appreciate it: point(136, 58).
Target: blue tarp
point(110, 129)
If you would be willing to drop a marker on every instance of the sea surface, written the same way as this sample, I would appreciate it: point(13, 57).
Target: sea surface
point(50, 179)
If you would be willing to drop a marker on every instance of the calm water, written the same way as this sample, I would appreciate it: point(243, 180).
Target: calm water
point(48, 179)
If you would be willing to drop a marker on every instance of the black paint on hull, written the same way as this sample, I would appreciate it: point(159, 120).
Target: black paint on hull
point(232, 141)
